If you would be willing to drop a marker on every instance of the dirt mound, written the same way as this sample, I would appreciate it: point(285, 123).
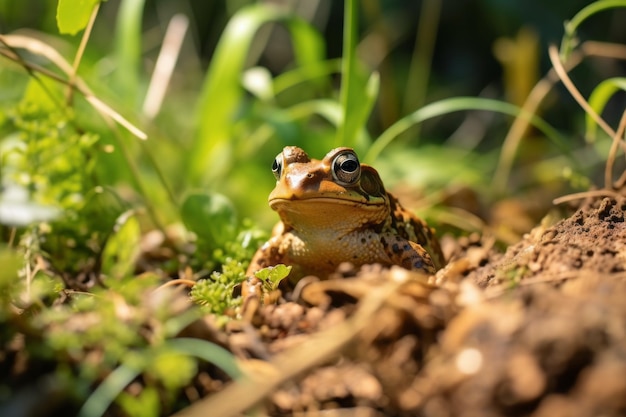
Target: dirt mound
point(538, 331)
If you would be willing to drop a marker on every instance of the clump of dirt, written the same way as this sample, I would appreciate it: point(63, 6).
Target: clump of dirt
point(536, 331)
point(592, 239)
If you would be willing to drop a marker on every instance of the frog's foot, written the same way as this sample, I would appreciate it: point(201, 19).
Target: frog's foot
point(408, 254)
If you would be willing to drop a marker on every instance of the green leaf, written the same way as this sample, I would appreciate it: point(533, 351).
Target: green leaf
point(598, 99)
point(272, 275)
point(73, 15)
point(212, 217)
point(122, 248)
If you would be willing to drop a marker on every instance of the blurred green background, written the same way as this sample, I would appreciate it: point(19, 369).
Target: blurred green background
point(424, 51)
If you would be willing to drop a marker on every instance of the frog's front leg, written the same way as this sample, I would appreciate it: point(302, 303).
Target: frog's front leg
point(407, 254)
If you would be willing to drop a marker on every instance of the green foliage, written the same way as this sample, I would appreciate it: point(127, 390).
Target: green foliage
point(41, 158)
point(212, 217)
point(222, 94)
point(215, 295)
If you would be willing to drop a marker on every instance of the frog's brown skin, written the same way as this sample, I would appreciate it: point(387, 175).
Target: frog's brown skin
point(336, 210)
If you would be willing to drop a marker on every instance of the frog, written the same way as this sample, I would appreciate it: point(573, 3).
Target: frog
point(337, 210)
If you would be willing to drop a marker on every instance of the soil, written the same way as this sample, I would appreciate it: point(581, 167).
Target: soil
point(539, 330)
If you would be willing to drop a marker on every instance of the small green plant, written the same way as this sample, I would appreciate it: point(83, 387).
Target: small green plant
point(272, 276)
point(215, 294)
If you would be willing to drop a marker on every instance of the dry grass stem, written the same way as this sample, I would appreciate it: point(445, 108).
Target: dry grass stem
point(40, 48)
point(567, 82)
point(585, 194)
point(604, 50)
point(80, 52)
point(535, 98)
point(164, 67)
point(180, 281)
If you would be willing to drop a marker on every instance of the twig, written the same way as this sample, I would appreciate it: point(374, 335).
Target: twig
point(585, 194)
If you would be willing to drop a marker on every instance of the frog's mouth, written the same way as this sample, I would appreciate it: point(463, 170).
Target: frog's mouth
point(328, 213)
point(364, 202)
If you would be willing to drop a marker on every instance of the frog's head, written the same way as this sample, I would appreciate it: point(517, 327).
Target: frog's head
point(335, 190)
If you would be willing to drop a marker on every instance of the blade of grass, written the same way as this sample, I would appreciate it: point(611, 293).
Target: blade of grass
point(98, 402)
point(300, 75)
point(209, 352)
point(222, 91)
point(326, 108)
point(350, 78)
point(104, 395)
point(568, 43)
point(610, 160)
point(598, 99)
point(128, 48)
point(455, 104)
point(421, 59)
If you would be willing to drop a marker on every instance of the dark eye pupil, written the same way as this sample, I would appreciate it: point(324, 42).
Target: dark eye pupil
point(349, 165)
point(346, 168)
point(277, 167)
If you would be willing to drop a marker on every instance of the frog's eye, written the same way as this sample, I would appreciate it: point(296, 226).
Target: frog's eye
point(346, 168)
point(277, 166)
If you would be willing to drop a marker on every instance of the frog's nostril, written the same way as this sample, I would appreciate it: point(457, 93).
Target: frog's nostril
point(309, 175)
